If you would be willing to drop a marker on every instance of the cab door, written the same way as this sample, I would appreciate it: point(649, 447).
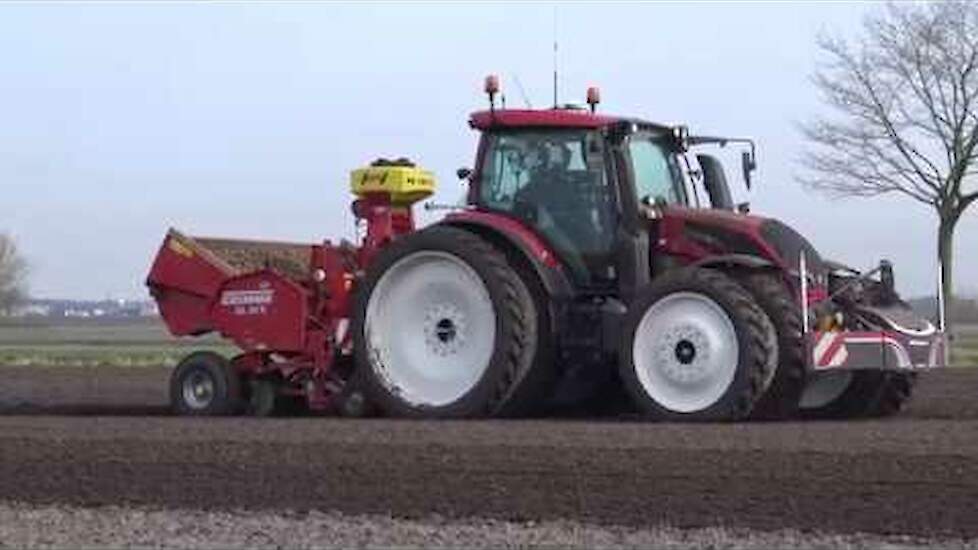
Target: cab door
point(649, 179)
point(559, 182)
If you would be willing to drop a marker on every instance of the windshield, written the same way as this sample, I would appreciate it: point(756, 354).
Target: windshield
point(658, 178)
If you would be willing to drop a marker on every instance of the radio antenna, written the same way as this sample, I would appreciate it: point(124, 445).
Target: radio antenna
point(555, 54)
point(519, 85)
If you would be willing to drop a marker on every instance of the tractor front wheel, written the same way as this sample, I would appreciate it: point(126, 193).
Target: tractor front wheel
point(696, 346)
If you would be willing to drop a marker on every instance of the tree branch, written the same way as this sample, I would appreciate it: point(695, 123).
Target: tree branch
point(905, 97)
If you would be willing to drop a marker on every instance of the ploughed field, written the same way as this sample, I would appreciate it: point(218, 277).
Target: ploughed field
point(84, 436)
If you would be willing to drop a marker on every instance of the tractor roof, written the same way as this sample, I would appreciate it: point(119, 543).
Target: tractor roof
point(550, 118)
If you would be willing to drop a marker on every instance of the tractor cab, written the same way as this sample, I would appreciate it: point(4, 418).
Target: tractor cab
point(587, 184)
point(558, 182)
point(593, 186)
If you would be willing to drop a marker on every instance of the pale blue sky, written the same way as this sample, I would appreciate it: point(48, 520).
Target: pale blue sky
point(242, 119)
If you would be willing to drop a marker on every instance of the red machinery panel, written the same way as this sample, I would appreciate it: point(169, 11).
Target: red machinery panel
point(184, 280)
point(262, 311)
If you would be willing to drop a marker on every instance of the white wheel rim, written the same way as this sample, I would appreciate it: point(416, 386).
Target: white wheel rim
point(430, 328)
point(825, 389)
point(198, 390)
point(685, 352)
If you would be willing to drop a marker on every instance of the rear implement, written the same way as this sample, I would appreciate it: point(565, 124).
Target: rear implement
point(286, 305)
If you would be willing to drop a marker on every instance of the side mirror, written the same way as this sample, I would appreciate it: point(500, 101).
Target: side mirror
point(715, 182)
point(463, 173)
point(748, 164)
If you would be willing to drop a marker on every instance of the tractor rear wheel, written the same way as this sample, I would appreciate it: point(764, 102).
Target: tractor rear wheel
point(444, 327)
point(205, 384)
point(787, 382)
point(696, 346)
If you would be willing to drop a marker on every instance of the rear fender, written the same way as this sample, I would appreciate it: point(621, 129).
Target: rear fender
point(524, 248)
point(531, 257)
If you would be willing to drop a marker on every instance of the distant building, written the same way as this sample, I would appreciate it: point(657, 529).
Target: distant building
point(84, 309)
point(32, 310)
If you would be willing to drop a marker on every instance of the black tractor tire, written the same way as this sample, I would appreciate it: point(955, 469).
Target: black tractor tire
point(528, 394)
point(497, 391)
point(751, 330)
point(531, 395)
point(870, 394)
point(780, 399)
point(205, 383)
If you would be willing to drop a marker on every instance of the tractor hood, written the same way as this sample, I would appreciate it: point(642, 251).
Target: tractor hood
point(697, 234)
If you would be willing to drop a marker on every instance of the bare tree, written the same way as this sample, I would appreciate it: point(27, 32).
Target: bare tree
point(904, 113)
point(13, 270)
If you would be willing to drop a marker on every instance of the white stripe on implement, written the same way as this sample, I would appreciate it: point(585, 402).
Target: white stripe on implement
point(830, 350)
point(342, 326)
point(825, 340)
point(840, 356)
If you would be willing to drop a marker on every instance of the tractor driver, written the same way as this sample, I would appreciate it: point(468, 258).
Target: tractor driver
point(564, 201)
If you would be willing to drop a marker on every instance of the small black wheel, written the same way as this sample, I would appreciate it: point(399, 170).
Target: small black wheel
point(351, 401)
point(205, 384)
point(696, 346)
point(353, 404)
point(262, 397)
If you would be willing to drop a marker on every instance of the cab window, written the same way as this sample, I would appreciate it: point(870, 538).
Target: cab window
point(516, 162)
point(657, 175)
point(555, 181)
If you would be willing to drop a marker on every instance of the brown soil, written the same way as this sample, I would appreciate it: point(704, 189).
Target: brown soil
point(87, 437)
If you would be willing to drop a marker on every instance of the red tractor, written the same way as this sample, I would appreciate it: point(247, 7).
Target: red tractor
point(582, 270)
